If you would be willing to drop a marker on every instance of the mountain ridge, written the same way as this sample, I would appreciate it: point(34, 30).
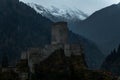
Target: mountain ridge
point(53, 13)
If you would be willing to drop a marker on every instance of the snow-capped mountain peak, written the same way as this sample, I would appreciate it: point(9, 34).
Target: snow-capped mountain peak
point(119, 4)
point(56, 14)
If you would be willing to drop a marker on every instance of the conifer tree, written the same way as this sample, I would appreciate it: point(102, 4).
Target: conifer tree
point(5, 60)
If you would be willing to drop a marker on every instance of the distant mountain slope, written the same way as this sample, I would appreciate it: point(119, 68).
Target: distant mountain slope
point(103, 27)
point(94, 57)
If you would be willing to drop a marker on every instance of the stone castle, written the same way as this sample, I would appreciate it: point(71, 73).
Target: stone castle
point(42, 55)
point(59, 40)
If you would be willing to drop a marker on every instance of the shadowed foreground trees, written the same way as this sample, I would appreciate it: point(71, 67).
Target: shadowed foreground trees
point(112, 62)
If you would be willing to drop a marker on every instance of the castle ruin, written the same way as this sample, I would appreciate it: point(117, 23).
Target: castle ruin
point(59, 40)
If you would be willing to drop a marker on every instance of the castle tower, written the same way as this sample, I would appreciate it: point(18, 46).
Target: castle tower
point(59, 33)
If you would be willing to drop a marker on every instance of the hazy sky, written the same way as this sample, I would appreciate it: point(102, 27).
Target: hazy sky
point(87, 6)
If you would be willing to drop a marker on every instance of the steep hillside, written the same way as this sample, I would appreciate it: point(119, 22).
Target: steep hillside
point(21, 27)
point(103, 27)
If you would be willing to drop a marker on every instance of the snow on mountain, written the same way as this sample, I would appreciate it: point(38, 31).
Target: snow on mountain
point(119, 4)
point(56, 14)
